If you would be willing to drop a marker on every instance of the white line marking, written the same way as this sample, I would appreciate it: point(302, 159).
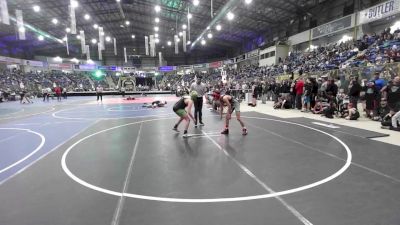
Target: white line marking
point(326, 125)
point(121, 201)
point(325, 153)
point(184, 200)
point(259, 181)
point(43, 140)
point(44, 155)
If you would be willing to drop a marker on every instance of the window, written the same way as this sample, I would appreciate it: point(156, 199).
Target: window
point(272, 54)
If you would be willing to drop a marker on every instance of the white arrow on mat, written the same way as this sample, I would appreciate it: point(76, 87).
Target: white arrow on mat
point(326, 125)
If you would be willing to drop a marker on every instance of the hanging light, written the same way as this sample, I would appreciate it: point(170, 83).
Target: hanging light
point(189, 16)
point(189, 42)
point(209, 35)
point(180, 34)
point(133, 36)
point(157, 40)
point(36, 8)
point(68, 30)
point(218, 27)
point(54, 21)
point(95, 26)
point(108, 39)
point(41, 38)
point(196, 2)
point(127, 22)
point(74, 4)
point(94, 41)
point(78, 37)
point(156, 35)
point(203, 42)
point(248, 1)
point(169, 43)
point(156, 29)
point(184, 26)
point(157, 8)
point(86, 16)
point(230, 16)
point(157, 20)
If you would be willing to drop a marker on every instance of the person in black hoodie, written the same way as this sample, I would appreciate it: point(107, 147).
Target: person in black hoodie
point(354, 91)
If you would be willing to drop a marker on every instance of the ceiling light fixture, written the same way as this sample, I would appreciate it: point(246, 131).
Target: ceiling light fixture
point(189, 16)
point(209, 35)
point(94, 41)
point(156, 29)
point(108, 39)
point(218, 27)
point(169, 43)
point(157, 40)
point(86, 16)
point(157, 8)
point(196, 2)
point(55, 21)
point(95, 26)
point(189, 42)
point(78, 37)
point(133, 36)
point(203, 42)
point(157, 20)
point(68, 30)
point(156, 35)
point(180, 34)
point(248, 1)
point(230, 16)
point(36, 8)
point(74, 4)
point(41, 38)
point(127, 22)
point(184, 26)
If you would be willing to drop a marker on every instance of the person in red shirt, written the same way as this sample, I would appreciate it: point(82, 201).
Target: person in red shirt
point(58, 91)
point(299, 92)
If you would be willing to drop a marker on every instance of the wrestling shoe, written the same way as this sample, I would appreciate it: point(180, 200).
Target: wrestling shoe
point(245, 132)
point(185, 134)
point(201, 123)
point(226, 131)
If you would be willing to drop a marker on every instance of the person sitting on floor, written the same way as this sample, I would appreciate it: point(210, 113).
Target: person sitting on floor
point(352, 112)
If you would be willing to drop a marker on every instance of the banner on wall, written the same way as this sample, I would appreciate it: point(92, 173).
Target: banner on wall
point(87, 67)
point(10, 60)
point(333, 27)
point(215, 65)
point(61, 66)
point(4, 16)
point(379, 11)
point(166, 68)
point(33, 63)
point(253, 54)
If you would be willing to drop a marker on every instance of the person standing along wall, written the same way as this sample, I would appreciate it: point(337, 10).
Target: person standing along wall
point(201, 89)
point(99, 93)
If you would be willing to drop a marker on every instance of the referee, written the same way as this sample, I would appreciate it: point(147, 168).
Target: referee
point(201, 89)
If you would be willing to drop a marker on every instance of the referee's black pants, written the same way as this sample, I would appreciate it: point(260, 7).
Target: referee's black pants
point(198, 108)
